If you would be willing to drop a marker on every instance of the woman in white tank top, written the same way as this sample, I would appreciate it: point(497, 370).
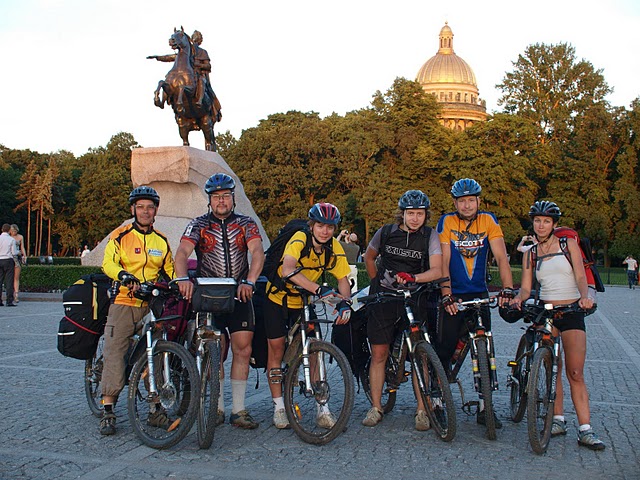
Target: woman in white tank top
point(562, 283)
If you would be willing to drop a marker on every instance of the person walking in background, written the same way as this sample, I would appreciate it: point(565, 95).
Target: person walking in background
point(20, 260)
point(632, 271)
point(8, 252)
point(85, 251)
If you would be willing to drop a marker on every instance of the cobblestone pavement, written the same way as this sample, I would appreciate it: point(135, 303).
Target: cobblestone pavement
point(48, 432)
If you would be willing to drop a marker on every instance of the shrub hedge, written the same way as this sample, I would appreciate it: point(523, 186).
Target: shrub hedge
point(47, 278)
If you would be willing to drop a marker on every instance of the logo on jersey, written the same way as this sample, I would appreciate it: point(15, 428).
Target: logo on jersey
point(155, 252)
point(468, 244)
point(138, 250)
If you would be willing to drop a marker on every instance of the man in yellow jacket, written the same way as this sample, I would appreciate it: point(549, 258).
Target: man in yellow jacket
point(136, 253)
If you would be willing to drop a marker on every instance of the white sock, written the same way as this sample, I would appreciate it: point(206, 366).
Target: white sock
point(584, 427)
point(221, 397)
point(278, 404)
point(480, 405)
point(560, 418)
point(238, 390)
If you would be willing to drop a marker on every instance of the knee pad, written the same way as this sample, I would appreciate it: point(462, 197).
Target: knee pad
point(275, 375)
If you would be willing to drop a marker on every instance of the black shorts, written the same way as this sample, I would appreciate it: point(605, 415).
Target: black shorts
point(570, 321)
point(278, 319)
point(241, 319)
point(387, 318)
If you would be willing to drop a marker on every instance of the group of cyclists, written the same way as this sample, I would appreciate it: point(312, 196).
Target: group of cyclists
point(399, 256)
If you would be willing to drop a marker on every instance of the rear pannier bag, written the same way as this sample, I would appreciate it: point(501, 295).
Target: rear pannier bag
point(86, 305)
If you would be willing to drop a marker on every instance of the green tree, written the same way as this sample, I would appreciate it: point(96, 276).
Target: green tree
point(549, 86)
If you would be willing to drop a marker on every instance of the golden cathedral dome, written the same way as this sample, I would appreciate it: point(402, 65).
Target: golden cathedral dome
point(452, 81)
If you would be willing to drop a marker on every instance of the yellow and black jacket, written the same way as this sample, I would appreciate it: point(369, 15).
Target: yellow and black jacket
point(146, 255)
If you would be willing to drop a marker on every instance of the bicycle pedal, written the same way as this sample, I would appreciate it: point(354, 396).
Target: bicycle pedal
point(174, 425)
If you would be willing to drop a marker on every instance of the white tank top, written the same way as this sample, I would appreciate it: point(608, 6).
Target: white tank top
point(556, 278)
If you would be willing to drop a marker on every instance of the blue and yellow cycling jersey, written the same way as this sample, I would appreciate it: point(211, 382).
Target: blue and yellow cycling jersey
point(469, 246)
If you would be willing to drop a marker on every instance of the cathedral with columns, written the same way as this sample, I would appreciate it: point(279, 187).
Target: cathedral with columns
point(452, 81)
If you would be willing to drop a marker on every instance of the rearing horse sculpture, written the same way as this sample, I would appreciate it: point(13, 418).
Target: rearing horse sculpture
point(179, 90)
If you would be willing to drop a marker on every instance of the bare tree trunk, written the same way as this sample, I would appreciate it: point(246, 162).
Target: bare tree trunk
point(49, 252)
point(28, 228)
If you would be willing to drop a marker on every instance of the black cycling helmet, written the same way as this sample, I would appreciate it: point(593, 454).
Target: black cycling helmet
point(465, 187)
point(325, 213)
point(144, 193)
point(544, 208)
point(413, 199)
point(510, 315)
point(219, 181)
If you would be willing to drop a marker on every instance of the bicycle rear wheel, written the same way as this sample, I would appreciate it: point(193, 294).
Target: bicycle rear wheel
point(158, 420)
point(485, 386)
point(209, 393)
point(539, 404)
point(93, 378)
point(435, 392)
point(517, 381)
point(332, 387)
point(389, 391)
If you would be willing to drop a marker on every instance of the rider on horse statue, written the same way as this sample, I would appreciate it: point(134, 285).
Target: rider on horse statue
point(181, 79)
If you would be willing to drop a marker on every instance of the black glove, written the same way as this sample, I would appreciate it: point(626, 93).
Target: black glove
point(508, 293)
point(127, 279)
point(325, 291)
point(447, 301)
point(344, 309)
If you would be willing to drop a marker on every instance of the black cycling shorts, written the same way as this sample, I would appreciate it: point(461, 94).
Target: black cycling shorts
point(570, 321)
point(242, 318)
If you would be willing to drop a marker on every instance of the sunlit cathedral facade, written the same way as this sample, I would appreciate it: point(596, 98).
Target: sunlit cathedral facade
point(452, 81)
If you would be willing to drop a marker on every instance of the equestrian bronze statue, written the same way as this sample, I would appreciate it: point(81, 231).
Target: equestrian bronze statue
point(187, 88)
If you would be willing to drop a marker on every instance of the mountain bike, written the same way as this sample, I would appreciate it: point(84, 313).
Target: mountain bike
point(205, 341)
point(413, 344)
point(160, 374)
point(533, 378)
point(317, 375)
point(476, 339)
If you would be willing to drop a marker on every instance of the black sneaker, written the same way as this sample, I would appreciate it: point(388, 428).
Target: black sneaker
point(108, 423)
point(159, 419)
point(480, 418)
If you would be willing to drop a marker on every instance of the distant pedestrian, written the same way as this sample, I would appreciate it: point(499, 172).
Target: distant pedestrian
point(632, 271)
point(8, 254)
point(85, 252)
point(20, 259)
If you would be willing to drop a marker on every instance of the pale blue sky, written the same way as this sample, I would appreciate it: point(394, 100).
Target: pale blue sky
point(74, 71)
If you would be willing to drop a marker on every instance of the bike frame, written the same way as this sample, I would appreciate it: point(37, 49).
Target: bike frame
point(475, 330)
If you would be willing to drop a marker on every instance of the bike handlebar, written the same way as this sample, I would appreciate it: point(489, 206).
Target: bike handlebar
point(403, 293)
point(492, 302)
point(538, 312)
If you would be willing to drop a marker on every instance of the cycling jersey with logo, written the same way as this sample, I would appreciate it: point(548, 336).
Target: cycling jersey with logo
point(146, 255)
point(221, 245)
point(469, 249)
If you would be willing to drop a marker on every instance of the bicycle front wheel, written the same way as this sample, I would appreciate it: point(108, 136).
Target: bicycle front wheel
point(209, 393)
point(160, 420)
point(539, 404)
point(485, 386)
point(518, 381)
point(93, 379)
point(389, 391)
point(331, 390)
point(433, 386)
